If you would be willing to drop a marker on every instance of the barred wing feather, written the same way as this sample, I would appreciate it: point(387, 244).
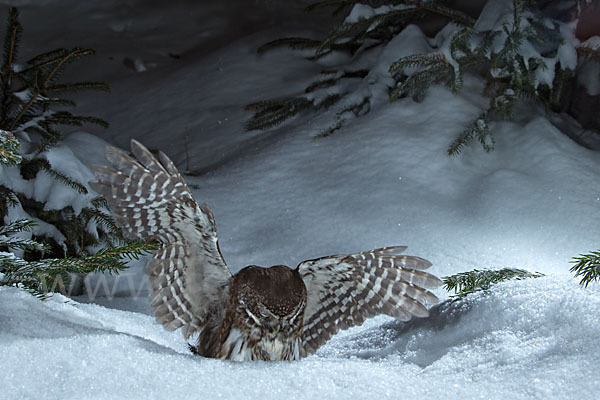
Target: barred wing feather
point(189, 280)
point(343, 291)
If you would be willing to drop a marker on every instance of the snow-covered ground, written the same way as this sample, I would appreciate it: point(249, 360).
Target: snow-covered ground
point(280, 197)
point(532, 339)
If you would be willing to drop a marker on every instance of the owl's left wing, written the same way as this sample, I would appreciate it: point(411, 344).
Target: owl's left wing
point(188, 278)
point(343, 291)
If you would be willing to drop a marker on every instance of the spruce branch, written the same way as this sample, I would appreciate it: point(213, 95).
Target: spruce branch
point(461, 141)
point(47, 58)
point(48, 275)
point(22, 110)
point(42, 164)
point(331, 130)
point(357, 33)
point(465, 283)
point(437, 70)
point(11, 39)
point(63, 87)
point(502, 53)
point(270, 113)
point(23, 244)
point(29, 92)
point(50, 136)
point(396, 18)
point(338, 4)
point(337, 77)
point(292, 42)
point(8, 198)
point(358, 30)
point(61, 62)
point(104, 220)
point(418, 60)
point(355, 108)
point(460, 43)
point(111, 260)
point(46, 103)
point(320, 84)
point(478, 129)
point(589, 52)
point(99, 202)
point(328, 101)
point(455, 16)
point(20, 225)
point(9, 149)
point(32, 101)
point(66, 118)
point(509, 76)
point(587, 266)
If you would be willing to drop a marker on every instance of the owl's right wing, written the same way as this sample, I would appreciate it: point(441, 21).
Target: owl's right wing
point(189, 280)
point(343, 291)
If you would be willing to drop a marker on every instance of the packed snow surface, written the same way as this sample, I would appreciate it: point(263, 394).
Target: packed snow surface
point(524, 340)
point(281, 196)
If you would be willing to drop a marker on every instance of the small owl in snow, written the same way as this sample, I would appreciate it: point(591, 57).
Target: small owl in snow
point(275, 313)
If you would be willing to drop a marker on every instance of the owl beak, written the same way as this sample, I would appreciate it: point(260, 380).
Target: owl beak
point(276, 328)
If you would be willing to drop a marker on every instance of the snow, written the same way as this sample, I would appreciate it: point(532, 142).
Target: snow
point(556, 41)
point(46, 189)
point(281, 196)
point(64, 161)
point(523, 339)
point(494, 14)
point(362, 11)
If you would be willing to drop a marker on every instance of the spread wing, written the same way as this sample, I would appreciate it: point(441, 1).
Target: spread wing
point(343, 291)
point(189, 280)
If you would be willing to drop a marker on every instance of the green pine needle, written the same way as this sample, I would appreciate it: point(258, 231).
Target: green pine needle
point(59, 176)
point(104, 220)
point(52, 275)
point(77, 86)
point(476, 280)
point(418, 60)
point(11, 39)
point(9, 149)
point(587, 266)
point(20, 225)
point(478, 129)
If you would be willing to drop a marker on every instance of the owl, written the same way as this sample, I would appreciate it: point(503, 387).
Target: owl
point(275, 313)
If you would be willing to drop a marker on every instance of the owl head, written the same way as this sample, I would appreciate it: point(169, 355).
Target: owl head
point(271, 298)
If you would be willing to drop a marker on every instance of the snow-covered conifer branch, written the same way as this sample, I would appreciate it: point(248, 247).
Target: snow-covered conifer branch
point(9, 149)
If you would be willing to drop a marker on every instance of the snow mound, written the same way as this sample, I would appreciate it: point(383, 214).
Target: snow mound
point(524, 339)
